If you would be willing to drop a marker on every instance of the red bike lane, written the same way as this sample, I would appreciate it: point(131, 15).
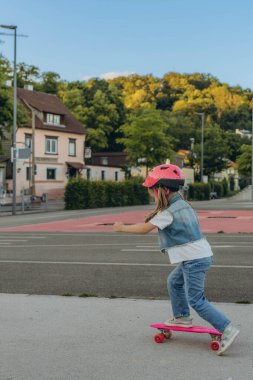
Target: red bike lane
point(211, 221)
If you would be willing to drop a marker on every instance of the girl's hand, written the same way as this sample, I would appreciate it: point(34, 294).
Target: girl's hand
point(117, 227)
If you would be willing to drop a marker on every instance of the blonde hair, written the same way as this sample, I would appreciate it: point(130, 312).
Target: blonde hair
point(162, 201)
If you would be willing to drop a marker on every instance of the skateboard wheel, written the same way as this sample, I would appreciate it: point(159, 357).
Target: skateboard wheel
point(215, 345)
point(168, 334)
point(159, 338)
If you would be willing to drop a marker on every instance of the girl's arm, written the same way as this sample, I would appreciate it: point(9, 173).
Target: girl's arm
point(139, 228)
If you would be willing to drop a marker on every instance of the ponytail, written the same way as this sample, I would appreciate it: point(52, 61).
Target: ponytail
point(162, 201)
point(162, 195)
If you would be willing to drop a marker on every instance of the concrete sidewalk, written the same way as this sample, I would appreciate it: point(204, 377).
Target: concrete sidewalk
point(70, 338)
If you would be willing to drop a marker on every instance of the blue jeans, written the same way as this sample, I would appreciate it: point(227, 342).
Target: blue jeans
point(186, 287)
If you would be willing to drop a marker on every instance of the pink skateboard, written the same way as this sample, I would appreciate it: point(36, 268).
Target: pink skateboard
point(165, 333)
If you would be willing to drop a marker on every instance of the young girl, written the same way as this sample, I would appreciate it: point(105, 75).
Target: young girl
point(180, 236)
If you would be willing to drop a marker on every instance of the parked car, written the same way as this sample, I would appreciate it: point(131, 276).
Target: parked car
point(213, 195)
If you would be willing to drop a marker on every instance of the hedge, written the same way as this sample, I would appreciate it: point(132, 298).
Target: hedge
point(199, 191)
point(82, 194)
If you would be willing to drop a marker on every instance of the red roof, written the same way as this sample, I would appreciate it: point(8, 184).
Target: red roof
point(48, 103)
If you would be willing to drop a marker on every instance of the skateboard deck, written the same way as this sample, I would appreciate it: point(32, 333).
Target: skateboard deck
point(165, 333)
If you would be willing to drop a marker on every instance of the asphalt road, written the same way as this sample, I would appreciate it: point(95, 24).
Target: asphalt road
point(115, 265)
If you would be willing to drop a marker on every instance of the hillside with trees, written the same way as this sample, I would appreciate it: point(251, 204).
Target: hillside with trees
point(148, 116)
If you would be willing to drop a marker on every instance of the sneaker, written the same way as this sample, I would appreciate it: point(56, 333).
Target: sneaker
point(227, 338)
point(181, 322)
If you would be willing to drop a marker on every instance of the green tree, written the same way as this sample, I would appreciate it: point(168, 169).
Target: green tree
point(238, 118)
point(181, 129)
point(6, 102)
point(235, 141)
point(145, 137)
point(50, 82)
point(5, 70)
point(98, 120)
point(6, 114)
point(244, 161)
point(26, 74)
point(216, 150)
point(98, 105)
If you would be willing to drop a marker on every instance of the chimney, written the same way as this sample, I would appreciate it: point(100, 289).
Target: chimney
point(28, 87)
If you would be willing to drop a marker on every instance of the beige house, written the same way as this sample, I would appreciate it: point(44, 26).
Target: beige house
point(230, 172)
point(58, 152)
point(104, 173)
point(106, 166)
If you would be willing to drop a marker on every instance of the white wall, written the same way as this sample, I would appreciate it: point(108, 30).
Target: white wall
point(109, 172)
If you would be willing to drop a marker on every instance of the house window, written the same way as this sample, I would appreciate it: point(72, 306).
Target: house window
point(116, 176)
point(104, 161)
point(51, 173)
point(53, 119)
point(72, 147)
point(51, 145)
point(28, 141)
point(28, 173)
point(103, 175)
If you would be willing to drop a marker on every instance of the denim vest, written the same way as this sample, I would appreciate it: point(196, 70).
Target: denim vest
point(184, 228)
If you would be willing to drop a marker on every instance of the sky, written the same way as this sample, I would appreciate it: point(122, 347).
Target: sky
point(80, 39)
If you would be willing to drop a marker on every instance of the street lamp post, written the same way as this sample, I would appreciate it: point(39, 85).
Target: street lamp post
point(202, 144)
point(252, 155)
point(192, 140)
point(14, 170)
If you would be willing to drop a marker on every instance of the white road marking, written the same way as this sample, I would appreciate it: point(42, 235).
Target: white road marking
point(212, 245)
point(137, 248)
point(111, 264)
point(21, 235)
point(73, 245)
point(46, 234)
point(141, 250)
point(149, 249)
point(102, 233)
point(60, 214)
point(11, 240)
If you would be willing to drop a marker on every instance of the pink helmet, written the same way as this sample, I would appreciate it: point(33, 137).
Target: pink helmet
point(166, 175)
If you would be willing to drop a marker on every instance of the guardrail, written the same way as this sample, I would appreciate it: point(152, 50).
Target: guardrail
point(23, 202)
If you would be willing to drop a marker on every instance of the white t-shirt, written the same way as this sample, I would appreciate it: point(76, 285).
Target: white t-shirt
point(190, 251)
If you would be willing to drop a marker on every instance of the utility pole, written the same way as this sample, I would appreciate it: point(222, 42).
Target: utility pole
point(14, 145)
point(202, 145)
point(33, 153)
point(252, 154)
point(14, 130)
point(33, 147)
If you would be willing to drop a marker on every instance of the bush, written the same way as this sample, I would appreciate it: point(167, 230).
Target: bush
point(82, 194)
point(221, 188)
point(218, 188)
point(79, 187)
point(225, 187)
point(199, 191)
point(232, 183)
